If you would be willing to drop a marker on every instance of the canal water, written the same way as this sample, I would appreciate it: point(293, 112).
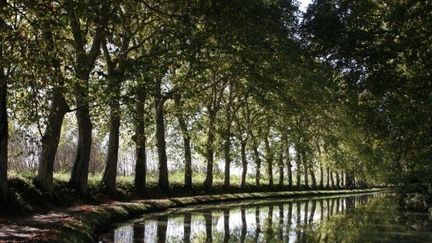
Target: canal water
point(355, 218)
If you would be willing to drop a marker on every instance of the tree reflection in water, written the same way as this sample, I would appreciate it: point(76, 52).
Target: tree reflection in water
point(367, 218)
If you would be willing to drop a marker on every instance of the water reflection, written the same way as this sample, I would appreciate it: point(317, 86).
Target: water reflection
point(370, 218)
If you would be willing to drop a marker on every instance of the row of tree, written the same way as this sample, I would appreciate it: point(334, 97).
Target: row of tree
point(224, 74)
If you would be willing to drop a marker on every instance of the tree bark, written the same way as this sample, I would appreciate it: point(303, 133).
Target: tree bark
point(269, 158)
point(289, 167)
point(58, 110)
point(281, 167)
point(186, 143)
point(337, 180)
point(350, 181)
point(314, 181)
point(110, 173)
point(3, 125)
point(159, 101)
point(244, 162)
point(298, 169)
point(306, 167)
point(257, 159)
point(328, 178)
point(208, 182)
point(79, 176)
point(50, 140)
point(332, 179)
point(227, 151)
point(140, 141)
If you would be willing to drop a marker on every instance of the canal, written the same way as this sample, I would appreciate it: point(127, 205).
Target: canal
point(351, 218)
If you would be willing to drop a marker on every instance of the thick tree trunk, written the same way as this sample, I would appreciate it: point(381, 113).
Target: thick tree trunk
point(281, 168)
point(208, 182)
point(50, 140)
point(269, 158)
point(58, 109)
point(163, 182)
point(79, 176)
point(110, 173)
point(244, 162)
point(186, 144)
point(3, 126)
point(140, 141)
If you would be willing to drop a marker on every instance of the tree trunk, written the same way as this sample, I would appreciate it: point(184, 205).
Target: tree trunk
point(337, 180)
point(321, 176)
point(306, 167)
point(58, 109)
point(332, 179)
point(159, 101)
point(257, 160)
point(226, 219)
point(314, 182)
point(227, 151)
point(328, 178)
point(140, 141)
point(350, 182)
point(50, 140)
point(289, 168)
point(298, 169)
point(3, 125)
point(208, 182)
point(79, 176)
point(244, 162)
point(281, 168)
point(186, 143)
point(110, 173)
point(269, 158)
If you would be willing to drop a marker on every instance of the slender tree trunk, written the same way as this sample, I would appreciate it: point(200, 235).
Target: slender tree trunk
point(159, 101)
point(227, 150)
point(314, 181)
point(332, 179)
point(257, 160)
point(337, 180)
point(244, 162)
point(110, 173)
point(140, 141)
point(306, 167)
point(186, 144)
point(269, 158)
point(328, 178)
point(50, 140)
point(79, 176)
point(3, 124)
point(321, 176)
point(208, 182)
point(281, 168)
point(298, 169)
point(289, 168)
